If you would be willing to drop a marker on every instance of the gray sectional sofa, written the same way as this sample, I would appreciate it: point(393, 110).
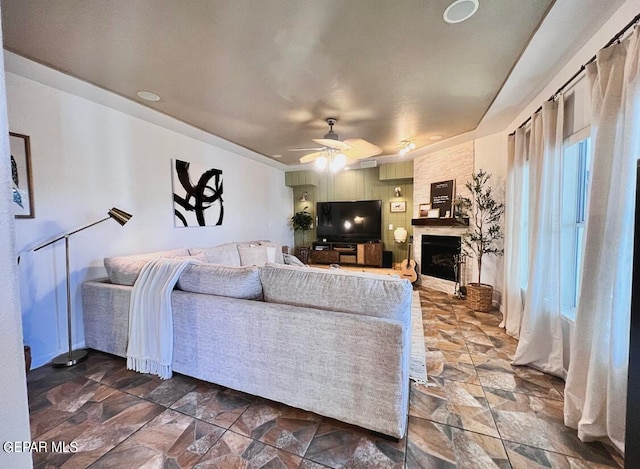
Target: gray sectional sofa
point(328, 341)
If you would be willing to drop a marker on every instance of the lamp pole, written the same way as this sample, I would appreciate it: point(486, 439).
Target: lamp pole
point(73, 357)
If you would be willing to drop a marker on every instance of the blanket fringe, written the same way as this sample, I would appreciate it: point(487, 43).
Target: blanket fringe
point(147, 365)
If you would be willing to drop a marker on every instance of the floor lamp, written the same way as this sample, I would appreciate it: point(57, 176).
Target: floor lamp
point(75, 356)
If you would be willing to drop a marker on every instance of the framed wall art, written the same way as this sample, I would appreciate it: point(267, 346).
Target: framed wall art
point(197, 195)
point(21, 181)
point(398, 206)
point(423, 210)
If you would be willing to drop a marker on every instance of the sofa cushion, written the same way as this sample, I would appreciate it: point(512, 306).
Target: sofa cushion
point(225, 254)
point(220, 280)
point(337, 290)
point(124, 270)
point(253, 255)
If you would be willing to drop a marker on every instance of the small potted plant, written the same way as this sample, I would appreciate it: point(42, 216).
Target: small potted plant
point(302, 221)
point(483, 236)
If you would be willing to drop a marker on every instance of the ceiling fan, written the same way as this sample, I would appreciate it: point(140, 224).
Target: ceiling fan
point(334, 153)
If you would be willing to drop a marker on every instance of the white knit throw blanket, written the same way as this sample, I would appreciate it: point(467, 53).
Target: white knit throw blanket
point(150, 348)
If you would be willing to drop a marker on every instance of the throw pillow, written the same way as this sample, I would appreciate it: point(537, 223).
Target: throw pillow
point(290, 259)
point(224, 254)
point(253, 255)
point(277, 251)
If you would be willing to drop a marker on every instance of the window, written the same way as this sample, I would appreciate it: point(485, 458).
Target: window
point(575, 190)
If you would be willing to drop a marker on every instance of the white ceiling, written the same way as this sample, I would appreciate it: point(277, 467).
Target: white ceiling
point(266, 74)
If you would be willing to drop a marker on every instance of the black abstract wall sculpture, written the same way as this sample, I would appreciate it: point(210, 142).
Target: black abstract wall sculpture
point(197, 195)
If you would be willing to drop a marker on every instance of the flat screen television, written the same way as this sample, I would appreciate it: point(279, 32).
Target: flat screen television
point(359, 221)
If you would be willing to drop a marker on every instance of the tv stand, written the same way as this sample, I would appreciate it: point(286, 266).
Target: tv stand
point(348, 253)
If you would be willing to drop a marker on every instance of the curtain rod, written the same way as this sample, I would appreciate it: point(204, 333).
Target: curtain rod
point(614, 39)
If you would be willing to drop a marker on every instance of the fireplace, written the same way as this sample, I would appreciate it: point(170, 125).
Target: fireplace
point(438, 256)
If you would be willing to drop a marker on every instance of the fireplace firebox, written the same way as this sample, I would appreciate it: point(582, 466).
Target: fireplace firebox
point(438, 256)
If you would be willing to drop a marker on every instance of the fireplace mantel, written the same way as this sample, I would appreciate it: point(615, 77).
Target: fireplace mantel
point(462, 222)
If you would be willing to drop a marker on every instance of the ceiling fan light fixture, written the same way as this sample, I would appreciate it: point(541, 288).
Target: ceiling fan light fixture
point(406, 147)
point(321, 163)
point(338, 162)
point(460, 10)
point(334, 153)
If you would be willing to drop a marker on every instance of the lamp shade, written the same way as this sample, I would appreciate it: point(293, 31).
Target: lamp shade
point(400, 235)
point(120, 216)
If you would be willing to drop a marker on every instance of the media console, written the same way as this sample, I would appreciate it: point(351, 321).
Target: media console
point(369, 254)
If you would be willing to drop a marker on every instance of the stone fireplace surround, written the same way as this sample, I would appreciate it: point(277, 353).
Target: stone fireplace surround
point(455, 163)
point(446, 286)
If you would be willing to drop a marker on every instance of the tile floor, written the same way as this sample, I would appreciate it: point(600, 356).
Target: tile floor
point(477, 411)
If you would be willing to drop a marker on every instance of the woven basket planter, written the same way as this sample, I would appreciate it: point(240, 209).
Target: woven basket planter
point(480, 297)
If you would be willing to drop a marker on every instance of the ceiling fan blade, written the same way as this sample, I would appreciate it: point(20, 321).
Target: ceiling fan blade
point(361, 148)
point(306, 149)
point(331, 143)
point(311, 156)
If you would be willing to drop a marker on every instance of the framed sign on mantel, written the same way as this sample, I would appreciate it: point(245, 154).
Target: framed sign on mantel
point(442, 196)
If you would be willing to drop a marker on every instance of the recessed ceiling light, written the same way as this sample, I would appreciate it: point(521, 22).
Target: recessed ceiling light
point(460, 10)
point(435, 137)
point(148, 96)
point(276, 156)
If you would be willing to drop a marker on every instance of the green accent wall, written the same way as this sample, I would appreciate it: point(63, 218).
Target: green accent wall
point(358, 184)
point(392, 171)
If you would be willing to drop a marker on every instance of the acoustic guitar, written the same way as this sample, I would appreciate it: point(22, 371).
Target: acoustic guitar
point(408, 267)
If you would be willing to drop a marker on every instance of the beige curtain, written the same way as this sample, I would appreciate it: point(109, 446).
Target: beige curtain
point(514, 223)
point(540, 344)
point(596, 389)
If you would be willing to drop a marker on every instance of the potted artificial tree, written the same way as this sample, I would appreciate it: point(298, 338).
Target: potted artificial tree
point(302, 221)
point(483, 236)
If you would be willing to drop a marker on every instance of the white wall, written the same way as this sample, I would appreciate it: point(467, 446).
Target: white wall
point(597, 41)
point(14, 409)
point(491, 156)
point(86, 158)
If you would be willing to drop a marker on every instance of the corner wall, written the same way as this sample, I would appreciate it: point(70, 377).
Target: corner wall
point(87, 158)
point(458, 162)
point(14, 408)
point(454, 163)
